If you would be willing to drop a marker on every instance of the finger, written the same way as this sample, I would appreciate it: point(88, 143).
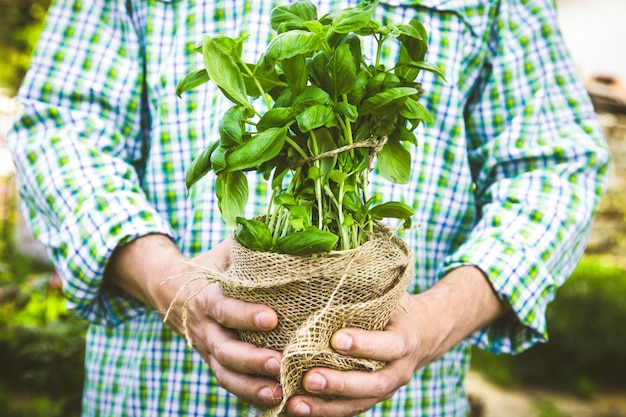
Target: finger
point(315, 406)
point(357, 384)
point(238, 314)
point(384, 345)
point(238, 356)
point(399, 339)
point(258, 391)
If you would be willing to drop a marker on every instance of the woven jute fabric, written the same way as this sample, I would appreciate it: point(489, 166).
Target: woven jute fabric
point(314, 296)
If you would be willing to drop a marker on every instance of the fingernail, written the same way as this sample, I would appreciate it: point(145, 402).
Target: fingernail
point(302, 409)
point(342, 341)
point(272, 366)
point(263, 320)
point(268, 394)
point(315, 382)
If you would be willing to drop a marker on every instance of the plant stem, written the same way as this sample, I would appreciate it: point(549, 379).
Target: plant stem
point(266, 98)
point(343, 234)
point(272, 211)
point(296, 147)
point(379, 48)
point(318, 183)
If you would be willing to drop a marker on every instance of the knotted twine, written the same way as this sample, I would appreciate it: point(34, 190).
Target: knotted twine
point(314, 296)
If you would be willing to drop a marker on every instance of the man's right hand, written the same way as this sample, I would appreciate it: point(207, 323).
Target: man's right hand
point(153, 270)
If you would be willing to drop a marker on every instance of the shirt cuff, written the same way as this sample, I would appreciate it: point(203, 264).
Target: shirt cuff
point(521, 281)
point(88, 240)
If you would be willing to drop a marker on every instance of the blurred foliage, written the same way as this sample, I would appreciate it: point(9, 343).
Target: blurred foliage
point(548, 408)
point(587, 336)
point(22, 22)
point(8, 221)
point(41, 349)
point(41, 344)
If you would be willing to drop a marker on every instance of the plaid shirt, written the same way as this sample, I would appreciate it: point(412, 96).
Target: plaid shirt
point(507, 177)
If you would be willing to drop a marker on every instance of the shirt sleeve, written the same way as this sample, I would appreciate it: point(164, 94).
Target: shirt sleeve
point(540, 166)
point(77, 146)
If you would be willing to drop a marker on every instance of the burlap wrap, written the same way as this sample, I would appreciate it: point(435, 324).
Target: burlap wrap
point(314, 296)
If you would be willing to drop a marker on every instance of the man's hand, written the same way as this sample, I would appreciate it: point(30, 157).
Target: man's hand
point(241, 368)
point(153, 270)
point(353, 392)
point(423, 328)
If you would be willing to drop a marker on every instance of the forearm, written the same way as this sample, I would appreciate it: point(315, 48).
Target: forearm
point(141, 266)
point(462, 302)
point(152, 269)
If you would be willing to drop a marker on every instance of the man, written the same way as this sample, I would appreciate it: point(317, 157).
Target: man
point(506, 181)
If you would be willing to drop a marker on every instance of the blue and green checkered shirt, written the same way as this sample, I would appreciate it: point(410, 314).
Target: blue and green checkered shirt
point(507, 177)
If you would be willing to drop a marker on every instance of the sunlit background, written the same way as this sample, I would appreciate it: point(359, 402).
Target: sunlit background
point(595, 33)
point(580, 373)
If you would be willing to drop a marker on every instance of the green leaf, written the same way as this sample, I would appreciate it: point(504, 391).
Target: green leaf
point(347, 110)
point(285, 199)
point(292, 16)
point(387, 101)
point(289, 44)
point(394, 163)
point(337, 176)
point(348, 220)
point(382, 81)
point(413, 46)
point(314, 173)
point(309, 97)
point(200, 166)
point(308, 241)
point(317, 67)
point(414, 39)
point(254, 234)
point(231, 190)
point(402, 134)
point(233, 46)
point(276, 117)
point(402, 68)
point(297, 224)
point(355, 18)
point(342, 70)
point(427, 66)
point(295, 72)
point(218, 159)
point(258, 149)
point(314, 26)
point(230, 127)
point(393, 209)
point(315, 116)
point(414, 110)
point(191, 81)
point(298, 212)
point(284, 99)
point(360, 87)
point(385, 125)
point(354, 44)
point(352, 202)
point(223, 70)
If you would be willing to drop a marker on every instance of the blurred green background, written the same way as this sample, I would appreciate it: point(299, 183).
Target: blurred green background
point(19, 31)
point(42, 346)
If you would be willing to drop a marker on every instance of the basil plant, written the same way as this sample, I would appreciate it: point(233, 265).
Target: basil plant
point(330, 117)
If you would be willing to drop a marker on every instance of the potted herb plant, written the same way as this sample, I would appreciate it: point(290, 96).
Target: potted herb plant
point(319, 254)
